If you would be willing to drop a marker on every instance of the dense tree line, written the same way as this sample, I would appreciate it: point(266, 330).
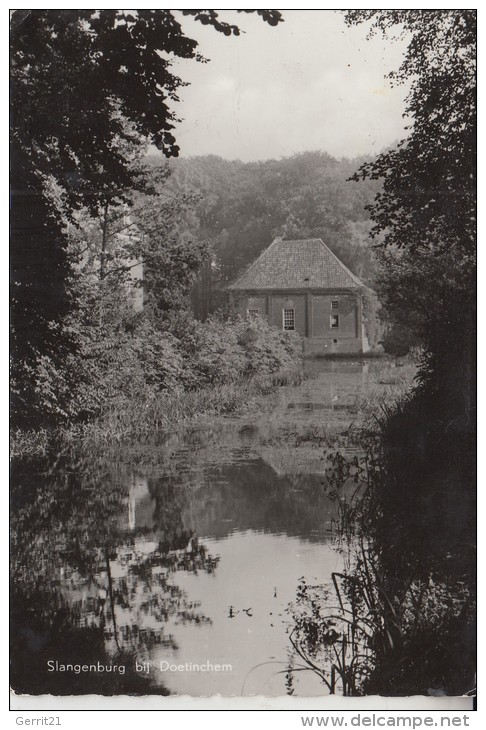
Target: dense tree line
point(244, 205)
point(408, 603)
point(420, 511)
point(425, 214)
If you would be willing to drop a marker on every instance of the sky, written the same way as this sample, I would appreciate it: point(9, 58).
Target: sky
point(311, 83)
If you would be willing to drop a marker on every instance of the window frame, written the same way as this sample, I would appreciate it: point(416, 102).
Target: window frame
point(334, 303)
point(253, 312)
point(334, 321)
point(285, 313)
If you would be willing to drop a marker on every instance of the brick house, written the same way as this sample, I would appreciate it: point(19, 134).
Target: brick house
point(302, 286)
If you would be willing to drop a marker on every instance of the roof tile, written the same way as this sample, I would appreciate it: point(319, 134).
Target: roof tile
point(302, 264)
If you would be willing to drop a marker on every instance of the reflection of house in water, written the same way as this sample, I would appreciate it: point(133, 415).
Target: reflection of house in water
point(253, 495)
point(280, 493)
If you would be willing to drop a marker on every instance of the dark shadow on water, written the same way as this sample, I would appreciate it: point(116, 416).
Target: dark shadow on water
point(51, 655)
point(400, 620)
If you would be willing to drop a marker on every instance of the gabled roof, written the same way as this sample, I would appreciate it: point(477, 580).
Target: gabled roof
point(304, 264)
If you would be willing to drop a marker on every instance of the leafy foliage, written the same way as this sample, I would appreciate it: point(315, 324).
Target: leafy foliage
point(131, 360)
point(410, 589)
point(426, 210)
point(101, 68)
point(224, 351)
point(89, 91)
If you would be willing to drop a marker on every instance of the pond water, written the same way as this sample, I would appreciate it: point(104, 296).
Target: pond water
point(176, 558)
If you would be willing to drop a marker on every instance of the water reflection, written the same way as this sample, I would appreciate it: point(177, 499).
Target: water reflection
point(181, 550)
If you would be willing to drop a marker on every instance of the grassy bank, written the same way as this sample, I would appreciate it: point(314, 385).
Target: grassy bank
point(149, 412)
point(420, 515)
point(150, 380)
point(141, 417)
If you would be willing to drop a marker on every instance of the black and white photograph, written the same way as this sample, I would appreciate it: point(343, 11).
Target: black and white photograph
point(243, 354)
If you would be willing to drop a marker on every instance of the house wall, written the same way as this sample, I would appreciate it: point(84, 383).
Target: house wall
point(344, 339)
point(256, 302)
point(293, 301)
point(322, 312)
point(312, 317)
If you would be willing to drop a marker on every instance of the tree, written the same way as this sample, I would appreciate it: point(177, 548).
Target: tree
point(427, 208)
point(418, 510)
point(135, 253)
point(87, 88)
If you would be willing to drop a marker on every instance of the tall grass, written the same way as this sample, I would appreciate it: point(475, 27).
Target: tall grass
point(27, 442)
point(143, 416)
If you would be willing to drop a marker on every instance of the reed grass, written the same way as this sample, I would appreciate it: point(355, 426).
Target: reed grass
point(29, 442)
point(400, 373)
point(150, 414)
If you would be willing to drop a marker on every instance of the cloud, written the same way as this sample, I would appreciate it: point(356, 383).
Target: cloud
point(310, 83)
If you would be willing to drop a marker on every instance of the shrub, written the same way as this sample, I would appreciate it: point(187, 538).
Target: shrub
point(267, 350)
point(137, 361)
point(398, 339)
point(223, 351)
point(212, 353)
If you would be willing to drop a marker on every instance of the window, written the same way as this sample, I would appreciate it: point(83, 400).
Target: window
point(289, 319)
point(253, 313)
point(334, 304)
point(334, 321)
